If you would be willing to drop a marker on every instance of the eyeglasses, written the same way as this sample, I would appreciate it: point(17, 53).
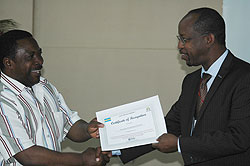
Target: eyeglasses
point(183, 40)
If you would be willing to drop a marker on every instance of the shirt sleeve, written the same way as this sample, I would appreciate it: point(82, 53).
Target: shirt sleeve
point(14, 137)
point(179, 148)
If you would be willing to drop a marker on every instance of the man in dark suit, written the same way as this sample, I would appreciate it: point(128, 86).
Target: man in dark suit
point(218, 133)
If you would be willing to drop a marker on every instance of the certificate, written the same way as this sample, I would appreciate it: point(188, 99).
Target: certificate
point(133, 124)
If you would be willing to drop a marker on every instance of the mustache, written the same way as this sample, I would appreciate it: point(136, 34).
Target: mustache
point(181, 51)
point(38, 67)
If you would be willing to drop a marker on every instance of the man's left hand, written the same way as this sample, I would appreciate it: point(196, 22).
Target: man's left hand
point(93, 128)
point(167, 143)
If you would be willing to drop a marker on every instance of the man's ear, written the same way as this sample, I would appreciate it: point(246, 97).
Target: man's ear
point(8, 63)
point(210, 39)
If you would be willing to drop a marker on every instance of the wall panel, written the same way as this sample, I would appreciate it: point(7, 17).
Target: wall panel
point(103, 53)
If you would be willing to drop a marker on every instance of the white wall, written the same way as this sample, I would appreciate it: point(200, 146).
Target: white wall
point(19, 10)
point(237, 15)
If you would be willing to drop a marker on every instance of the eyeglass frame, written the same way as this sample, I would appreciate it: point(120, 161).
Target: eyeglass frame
point(185, 40)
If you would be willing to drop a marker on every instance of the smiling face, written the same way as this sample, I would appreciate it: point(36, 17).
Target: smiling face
point(27, 64)
point(193, 50)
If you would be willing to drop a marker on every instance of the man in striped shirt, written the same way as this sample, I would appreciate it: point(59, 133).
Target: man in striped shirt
point(34, 118)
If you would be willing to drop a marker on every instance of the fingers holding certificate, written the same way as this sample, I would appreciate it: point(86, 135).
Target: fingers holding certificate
point(132, 124)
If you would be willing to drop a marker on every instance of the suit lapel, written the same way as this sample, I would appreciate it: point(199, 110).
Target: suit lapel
point(193, 94)
point(225, 67)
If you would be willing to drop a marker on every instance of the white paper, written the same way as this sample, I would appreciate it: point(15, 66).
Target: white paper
point(132, 124)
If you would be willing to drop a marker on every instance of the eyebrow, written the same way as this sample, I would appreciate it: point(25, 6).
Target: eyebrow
point(182, 35)
point(33, 52)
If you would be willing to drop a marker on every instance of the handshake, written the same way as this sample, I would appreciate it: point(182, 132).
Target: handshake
point(95, 157)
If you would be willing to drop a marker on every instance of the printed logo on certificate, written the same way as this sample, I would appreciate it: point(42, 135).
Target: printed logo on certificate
point(132, 124)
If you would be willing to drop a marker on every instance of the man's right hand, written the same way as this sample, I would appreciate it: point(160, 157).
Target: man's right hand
point(95, 157)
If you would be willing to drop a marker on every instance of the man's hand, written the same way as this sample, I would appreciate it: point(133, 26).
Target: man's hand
point(95, 157)
point(105, 155)
point(167, 143)
point(93, 127)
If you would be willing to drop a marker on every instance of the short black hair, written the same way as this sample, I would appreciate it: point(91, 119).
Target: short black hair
point(8, 44)
point(209, 21)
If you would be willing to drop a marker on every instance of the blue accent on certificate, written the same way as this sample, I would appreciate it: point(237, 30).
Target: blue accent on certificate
point(107, 119)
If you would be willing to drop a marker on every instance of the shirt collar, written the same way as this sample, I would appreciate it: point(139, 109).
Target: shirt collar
point(215, 67)
point(13, 84)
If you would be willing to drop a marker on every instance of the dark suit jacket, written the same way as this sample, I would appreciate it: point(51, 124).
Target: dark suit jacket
point(222, 132)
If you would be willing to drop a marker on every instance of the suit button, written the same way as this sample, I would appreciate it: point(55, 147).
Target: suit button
point(191, 159)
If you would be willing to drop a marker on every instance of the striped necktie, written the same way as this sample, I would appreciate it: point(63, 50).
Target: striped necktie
point(202, 93)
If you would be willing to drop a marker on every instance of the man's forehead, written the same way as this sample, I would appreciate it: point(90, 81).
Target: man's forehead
point(27, 43)
point(187, 22)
